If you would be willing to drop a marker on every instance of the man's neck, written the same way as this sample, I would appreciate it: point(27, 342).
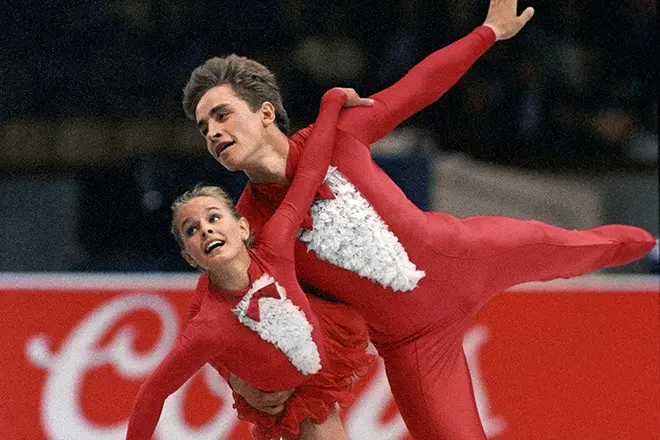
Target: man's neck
point(269, 165)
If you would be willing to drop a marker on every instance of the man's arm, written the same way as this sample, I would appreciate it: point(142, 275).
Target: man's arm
point(431, 78)
point(268, 403)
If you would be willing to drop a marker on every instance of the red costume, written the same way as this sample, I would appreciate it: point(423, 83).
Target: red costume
point(418, 278)
point(268, 333)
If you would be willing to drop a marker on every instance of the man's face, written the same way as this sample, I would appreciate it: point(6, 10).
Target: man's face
point(232, 131)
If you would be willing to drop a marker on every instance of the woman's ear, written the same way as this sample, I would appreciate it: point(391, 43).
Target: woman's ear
point(189, 259)
point(245, 228)
point(267, 113)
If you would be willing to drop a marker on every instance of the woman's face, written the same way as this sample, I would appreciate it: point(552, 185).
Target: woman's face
point(210, 234)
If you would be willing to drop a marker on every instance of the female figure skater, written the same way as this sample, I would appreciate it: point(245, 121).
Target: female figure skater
point(418, 278)
point(253, 318)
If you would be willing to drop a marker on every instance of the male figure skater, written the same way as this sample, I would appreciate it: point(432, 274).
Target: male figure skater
point(418, 278)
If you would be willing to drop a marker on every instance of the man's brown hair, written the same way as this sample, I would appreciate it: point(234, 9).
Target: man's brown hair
point(251, 81)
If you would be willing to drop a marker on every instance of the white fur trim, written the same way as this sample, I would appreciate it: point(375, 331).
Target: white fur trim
point(282, 324)
point(349, 233)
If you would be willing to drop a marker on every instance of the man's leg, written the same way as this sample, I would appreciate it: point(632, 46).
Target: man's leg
point(478, 257)
point(431, 384)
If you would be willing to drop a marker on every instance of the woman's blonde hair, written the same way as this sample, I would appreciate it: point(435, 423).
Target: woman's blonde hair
point(204, 191)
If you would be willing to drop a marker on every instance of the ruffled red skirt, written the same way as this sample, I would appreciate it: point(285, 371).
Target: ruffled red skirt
point(346, 342)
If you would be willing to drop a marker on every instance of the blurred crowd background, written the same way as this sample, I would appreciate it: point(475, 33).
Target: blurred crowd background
point(94, 144)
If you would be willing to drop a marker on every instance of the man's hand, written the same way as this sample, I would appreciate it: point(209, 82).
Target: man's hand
point(354, 100)
point(502, 18)
point(268, 403)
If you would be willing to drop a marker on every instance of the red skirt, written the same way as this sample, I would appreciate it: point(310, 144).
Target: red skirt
point(346, 341)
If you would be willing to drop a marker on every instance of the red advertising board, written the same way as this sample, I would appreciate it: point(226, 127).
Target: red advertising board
point(570, 360)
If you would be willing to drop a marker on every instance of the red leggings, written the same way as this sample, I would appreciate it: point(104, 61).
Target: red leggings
point(428, 373)
point(432, 387)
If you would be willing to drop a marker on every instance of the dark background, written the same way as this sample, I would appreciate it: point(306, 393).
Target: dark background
point(90, 96)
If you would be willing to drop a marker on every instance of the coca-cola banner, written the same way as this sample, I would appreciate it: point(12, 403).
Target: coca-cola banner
point(570, 360)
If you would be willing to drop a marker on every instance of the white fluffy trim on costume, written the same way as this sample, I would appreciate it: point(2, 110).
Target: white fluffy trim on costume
point(349, 233)
point(283, 324)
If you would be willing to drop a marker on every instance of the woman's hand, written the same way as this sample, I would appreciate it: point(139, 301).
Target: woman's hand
point(354, 100)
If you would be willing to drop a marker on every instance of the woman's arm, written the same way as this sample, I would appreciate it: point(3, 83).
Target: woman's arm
point(281, 229)
point(178, 366)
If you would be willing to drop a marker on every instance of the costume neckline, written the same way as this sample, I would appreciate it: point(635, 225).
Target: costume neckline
point(218, 291)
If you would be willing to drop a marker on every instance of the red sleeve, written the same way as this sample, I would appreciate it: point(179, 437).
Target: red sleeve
point(280, 231)
point(254, 209)
point(195, 305)
point(187, 356)
point(193, 310)
point(421, 86)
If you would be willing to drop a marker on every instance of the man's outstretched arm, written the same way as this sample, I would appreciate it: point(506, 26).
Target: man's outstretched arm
point(426, 82)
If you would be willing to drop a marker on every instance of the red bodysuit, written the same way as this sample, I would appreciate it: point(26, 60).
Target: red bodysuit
point(268, 333)
point(418, 278)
